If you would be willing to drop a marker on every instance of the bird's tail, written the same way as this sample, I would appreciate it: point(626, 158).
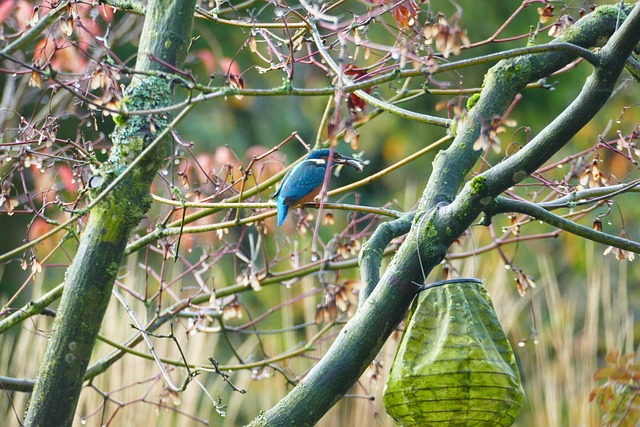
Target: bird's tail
point(282, 213)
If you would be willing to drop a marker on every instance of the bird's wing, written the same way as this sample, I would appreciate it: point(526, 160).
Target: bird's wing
point(300, 181)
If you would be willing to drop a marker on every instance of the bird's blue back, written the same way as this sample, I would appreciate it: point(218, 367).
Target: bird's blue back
point(298, 183)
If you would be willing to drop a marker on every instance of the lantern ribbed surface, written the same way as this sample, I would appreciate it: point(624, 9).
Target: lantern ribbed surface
point(454, 365)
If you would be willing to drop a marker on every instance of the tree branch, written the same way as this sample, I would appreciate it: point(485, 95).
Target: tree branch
point(435, 227)
point(504, 205)
point(373, 251)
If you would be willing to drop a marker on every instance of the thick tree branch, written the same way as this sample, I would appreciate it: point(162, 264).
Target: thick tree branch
point(16, 384)
point(435, 227)
point(31, 309)
point(133, 6)
point(373, 251)
point(594, 94)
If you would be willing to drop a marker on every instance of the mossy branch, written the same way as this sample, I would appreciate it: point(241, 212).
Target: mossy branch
point(373, 251)
point(443, 215)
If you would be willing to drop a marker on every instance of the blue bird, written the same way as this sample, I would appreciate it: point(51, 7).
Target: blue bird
point(302, 183)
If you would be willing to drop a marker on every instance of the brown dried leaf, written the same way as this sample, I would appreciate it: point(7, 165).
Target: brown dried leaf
point(597, 224)
point(319, 314)
point(98, 79)
point(175, 397)
point(66, 25)
point(524, 282)
point(432, 63)
point(626, 359)
point(342, 302)
point(605, 372)
point(612, 357)
point(231, 310)
point(352, 137)
point(546, 14)
point(36, 266)
point(449, 37)
point(355, 104)
point(236, 81)
point(620, 375)
point(621, 254)
point(255, 282)
point(34, 17)
point(328, 219)
point(446, 270)
point(9, 202)
point(36, 79)
point(561, 25)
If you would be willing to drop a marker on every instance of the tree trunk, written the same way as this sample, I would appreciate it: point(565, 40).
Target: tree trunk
point(89, 280)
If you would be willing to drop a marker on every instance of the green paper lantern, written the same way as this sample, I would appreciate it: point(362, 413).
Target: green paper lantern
point(454, 365)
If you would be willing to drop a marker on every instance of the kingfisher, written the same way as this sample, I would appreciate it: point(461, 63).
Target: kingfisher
point(304, 181)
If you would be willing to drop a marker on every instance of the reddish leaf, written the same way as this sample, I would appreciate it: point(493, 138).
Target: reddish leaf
point(355, 104)
point(6, 8)
point(43, 51)
point(68, 58)
point(405, 13)
point(207, 59)
point(22, 12)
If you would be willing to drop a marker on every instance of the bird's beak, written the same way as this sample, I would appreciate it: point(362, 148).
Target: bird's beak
point(350, 161)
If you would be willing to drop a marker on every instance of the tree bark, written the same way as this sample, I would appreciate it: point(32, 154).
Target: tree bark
point(89, 280)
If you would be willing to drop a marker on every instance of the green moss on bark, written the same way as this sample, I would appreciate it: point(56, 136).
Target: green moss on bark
point(89, 280)
point(472, 100)
point(478, 184)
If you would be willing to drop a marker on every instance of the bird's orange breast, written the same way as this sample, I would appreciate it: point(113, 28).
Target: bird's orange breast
point(309, 197)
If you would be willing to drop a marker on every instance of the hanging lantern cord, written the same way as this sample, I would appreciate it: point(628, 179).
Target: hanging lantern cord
point(424, 287)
